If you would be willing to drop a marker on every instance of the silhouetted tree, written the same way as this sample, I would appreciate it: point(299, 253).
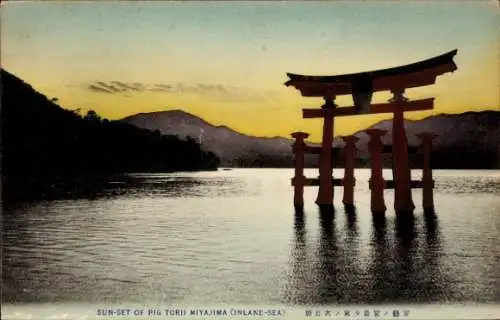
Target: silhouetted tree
point(92, 116)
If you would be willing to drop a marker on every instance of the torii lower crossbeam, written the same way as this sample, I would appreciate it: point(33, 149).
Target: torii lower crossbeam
point(416, 105)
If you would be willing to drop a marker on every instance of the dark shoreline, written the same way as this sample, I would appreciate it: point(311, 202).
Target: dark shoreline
point(74, 186)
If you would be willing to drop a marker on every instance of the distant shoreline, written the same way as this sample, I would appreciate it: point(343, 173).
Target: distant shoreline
point(48, 188)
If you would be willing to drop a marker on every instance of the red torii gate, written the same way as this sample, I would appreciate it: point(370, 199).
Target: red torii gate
point(361, 86)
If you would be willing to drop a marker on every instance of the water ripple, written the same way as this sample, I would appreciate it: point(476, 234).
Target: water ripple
point(232, 236)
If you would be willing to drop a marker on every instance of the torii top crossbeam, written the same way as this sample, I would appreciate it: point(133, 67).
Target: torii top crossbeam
point(417, 74)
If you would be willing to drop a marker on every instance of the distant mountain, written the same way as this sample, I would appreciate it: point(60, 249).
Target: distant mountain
point(231, 146)
point(449, 128)
point(467, 140)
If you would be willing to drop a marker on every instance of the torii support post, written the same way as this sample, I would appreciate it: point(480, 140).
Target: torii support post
point(377, 184)
point(299, 179)
point(428, 182)
point(325, 192)
point(401, 170)
point(349, 181)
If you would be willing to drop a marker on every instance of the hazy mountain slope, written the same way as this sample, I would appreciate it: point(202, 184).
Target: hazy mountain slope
point(462, 138)
point(467, 140)
point(450, 128)
point(227, 143)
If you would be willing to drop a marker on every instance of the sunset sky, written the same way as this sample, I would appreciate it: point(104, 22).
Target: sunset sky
point(227, 61)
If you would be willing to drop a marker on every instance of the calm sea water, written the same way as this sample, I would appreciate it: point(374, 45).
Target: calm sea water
point(233, 237)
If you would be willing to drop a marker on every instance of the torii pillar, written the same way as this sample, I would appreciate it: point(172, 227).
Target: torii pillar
point(325, 192)
point(401, 169)
point(299, 148)
point(427, 181)
point(377, 183)
point(349, 181)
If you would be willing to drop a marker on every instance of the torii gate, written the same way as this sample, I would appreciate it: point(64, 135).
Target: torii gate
point(361, 86)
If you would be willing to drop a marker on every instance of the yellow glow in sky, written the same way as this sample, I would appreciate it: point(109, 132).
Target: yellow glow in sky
point(227, 62)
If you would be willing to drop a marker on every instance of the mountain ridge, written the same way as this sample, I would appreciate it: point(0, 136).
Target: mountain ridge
point(444, 114)
point(188, 114)
point(235, 148)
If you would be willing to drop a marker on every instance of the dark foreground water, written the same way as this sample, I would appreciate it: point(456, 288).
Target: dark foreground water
point(233, 237)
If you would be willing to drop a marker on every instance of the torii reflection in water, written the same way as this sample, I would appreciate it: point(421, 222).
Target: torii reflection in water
point(402, 267)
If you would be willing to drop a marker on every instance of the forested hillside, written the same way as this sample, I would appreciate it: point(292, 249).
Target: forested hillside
point(42, 141)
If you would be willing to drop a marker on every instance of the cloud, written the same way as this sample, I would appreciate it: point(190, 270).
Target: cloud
point(94, 88)
point(215, 91)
